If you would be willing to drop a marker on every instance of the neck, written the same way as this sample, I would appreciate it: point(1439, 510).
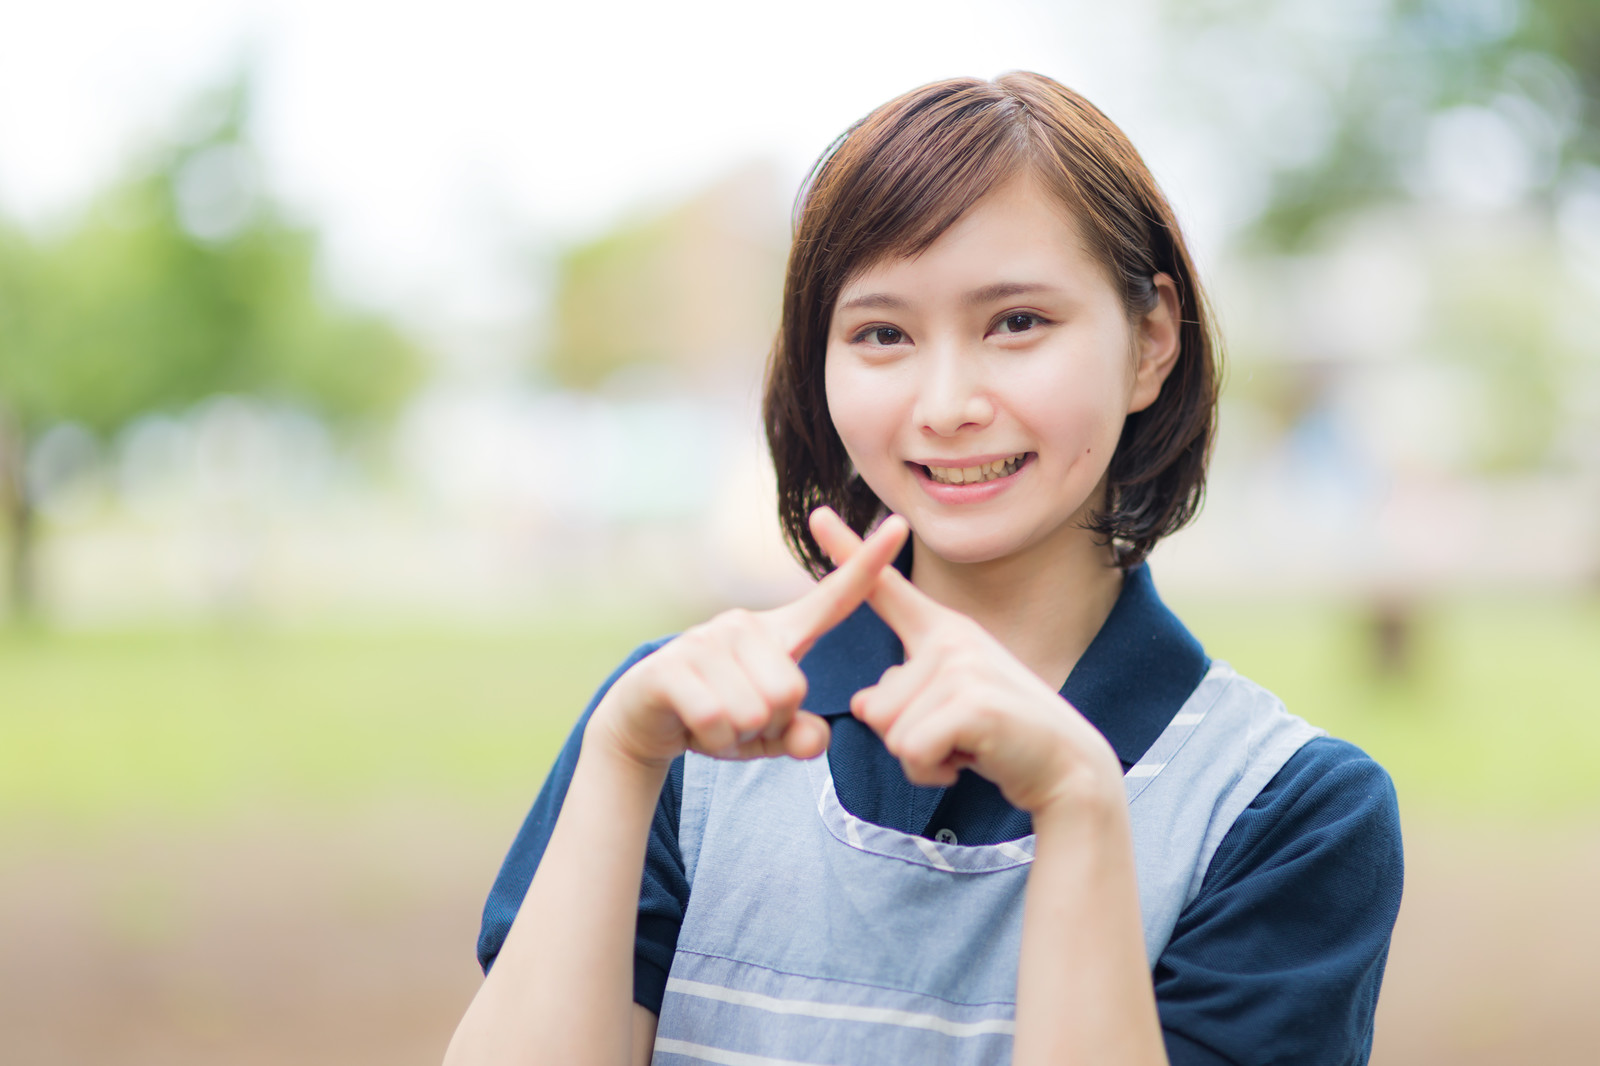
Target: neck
point(1044, 603)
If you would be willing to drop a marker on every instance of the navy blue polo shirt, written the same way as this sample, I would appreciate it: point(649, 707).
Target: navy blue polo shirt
point(1279, 957)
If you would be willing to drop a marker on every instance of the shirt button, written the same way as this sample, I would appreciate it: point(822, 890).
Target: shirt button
point(945, 836)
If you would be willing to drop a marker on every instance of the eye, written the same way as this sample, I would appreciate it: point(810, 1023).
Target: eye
point(1017, 322)
point(880, 336)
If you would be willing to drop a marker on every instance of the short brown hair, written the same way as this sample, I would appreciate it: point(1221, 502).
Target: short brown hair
point(899, 178)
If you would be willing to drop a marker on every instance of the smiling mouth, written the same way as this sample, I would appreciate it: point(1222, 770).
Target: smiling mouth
point(975, 475)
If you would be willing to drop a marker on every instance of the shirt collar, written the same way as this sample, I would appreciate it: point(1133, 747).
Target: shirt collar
point(1139, 669)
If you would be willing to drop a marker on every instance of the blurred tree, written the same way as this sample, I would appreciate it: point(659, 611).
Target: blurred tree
point(1441, 119)
point(181, 281)
point(1449, 140)
point(1357, 103)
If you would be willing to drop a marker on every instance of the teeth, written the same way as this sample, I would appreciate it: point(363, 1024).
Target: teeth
point(971, 475)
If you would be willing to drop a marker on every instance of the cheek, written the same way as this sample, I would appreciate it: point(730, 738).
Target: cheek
point(859, 411)
point(839, 394)
point(1078, 409)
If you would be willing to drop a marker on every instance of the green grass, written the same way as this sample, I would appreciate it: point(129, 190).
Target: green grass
point(110, 727)
point(1498, 713)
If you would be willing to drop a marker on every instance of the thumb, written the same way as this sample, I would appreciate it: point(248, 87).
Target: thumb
point(807, 736)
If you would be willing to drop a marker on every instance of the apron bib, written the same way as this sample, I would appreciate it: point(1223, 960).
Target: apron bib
point(813, 937)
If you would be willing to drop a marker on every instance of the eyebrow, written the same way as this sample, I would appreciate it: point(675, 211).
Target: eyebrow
point(1000, 290)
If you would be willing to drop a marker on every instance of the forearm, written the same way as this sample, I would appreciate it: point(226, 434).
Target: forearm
point(1084, 993)
point(561, 990)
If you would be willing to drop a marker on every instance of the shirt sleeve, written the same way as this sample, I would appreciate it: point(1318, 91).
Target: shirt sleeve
point(1280, 956)
point(663, 891)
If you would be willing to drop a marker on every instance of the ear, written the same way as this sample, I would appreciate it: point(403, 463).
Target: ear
point(1158, 341)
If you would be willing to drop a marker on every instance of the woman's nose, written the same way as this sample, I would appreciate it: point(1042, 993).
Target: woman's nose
point(952, 395)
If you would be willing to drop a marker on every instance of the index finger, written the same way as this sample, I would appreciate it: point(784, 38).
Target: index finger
point(800, 623)
point(907, 609)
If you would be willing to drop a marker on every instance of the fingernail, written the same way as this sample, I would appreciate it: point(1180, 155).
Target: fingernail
point(748, 735)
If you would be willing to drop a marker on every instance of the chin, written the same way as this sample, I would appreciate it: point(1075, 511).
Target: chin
point(972, 548)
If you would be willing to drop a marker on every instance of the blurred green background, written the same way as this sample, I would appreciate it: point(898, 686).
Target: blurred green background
point(354, 424)
point(1495, 717)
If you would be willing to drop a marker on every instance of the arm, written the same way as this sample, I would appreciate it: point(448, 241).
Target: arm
point(644, 1035)
point(1280, 956)
point(561, 989)
point(1083, 986)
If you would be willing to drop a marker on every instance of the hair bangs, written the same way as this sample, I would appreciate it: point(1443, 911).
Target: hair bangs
point(909, 173)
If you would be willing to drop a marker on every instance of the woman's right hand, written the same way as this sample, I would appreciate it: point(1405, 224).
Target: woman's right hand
point(732, 686)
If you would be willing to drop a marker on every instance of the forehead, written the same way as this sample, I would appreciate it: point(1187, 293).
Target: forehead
point(1020, 232)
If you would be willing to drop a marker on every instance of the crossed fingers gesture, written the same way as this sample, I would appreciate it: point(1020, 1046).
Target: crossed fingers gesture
point(732, 687)
point(962, 699)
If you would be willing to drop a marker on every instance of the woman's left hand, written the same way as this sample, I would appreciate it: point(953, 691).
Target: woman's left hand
point(962, 699)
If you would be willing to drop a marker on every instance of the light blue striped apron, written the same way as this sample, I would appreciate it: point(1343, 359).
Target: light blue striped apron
point(814, 937)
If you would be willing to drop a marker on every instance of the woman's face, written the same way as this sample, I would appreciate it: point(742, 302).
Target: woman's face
point(980, 387)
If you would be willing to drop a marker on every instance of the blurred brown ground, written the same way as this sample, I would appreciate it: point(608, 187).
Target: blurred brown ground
point(350, 941)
